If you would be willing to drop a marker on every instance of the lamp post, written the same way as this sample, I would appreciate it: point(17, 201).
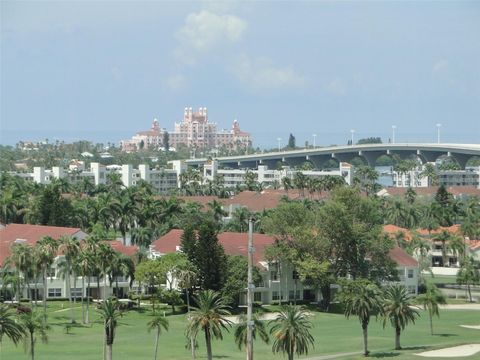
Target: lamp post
point(314, 139)
point(250, 288)
point(279, 140)
point(438, 133)
point(352, 131)
point(393, 133)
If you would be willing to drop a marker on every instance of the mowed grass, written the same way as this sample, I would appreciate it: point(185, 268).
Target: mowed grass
point(332, 332)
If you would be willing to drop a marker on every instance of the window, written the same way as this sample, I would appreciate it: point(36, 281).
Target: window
point(412, 289)
point(257, 297)
point(291, 295)
point(273, 276)
point(410, 273)
point(55, 292)
point(295, 275)
point(275, 295)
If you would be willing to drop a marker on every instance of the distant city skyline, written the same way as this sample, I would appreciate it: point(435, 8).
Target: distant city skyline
point(101, 71)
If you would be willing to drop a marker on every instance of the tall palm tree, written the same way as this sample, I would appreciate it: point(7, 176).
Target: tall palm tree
point(34, 325)
point(9, 327)
point(70, 249)
point(110, 313)
point(85, 264)
point(209, 316)
point(397, 308)
point(469, 274)
point(361, 298)
point(21, 259)
point(291, 331)
point(47, 248)
point(187, 278)
point(157, 323)
point(258, 328)
point(430, 301)
point(106, 256)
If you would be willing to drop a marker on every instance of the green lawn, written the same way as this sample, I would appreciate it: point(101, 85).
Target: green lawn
point(332, 333)
point(441, 279)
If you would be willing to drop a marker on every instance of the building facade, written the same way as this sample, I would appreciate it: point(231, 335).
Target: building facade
point(194, 131)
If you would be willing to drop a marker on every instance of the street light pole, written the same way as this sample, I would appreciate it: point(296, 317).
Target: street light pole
point(352, 131)
point(438, 133)
point(314, 138)
point(250, 287)
point(279, 140)
point(393, 133)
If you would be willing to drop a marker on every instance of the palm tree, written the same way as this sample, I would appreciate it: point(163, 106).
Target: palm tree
point(9, 327)
point(106, 256)
point(109, 312)
point(70, 249)
point(209, 316)
point(258, 328)
point(34, 324)
point(361, 298)
point(21, 259)
point(469, 274)
point(157, 323)
point(85, 264)
point(47, 248)
point(187, 278)
point(397, 307)
point(430, 301)
point(291, 331)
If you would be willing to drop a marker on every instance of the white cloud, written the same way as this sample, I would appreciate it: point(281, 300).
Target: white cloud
point(260, 74)
point(440, 65)
point(337, 87)
point(176, 82)
point(204, 30)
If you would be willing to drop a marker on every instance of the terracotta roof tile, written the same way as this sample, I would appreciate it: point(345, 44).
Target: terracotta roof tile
point(400, 257)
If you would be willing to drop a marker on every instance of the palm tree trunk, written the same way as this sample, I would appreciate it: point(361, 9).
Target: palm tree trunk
point(192, 339)
point(397, 338)
point(83, 292)
point(69, 291)
point(98, 287)
point(469, 293)
point(45, 294)
point(32, 346)
point(156, 343)
point(208, 342)
point(431, 322)
point(104, 285)
point(88, 298)
point(109, 352)
point(75, 298)
point(365, 340)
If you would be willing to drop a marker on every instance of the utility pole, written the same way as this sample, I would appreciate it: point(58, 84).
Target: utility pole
point(250, 288)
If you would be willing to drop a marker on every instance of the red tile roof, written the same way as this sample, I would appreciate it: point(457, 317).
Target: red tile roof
point(233, 243)
point(400, 257)
point(392, 230)
point(124, 249)
point(31, 234)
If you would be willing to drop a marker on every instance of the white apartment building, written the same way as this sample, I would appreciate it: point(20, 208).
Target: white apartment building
point(269, 177)
point(468, 177)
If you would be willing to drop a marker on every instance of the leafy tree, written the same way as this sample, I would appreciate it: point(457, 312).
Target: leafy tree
point(170, 297)
point(34, 325)
point(157, 323)
point(109, 312)
point(291, 332)
point(209, 316)
point(361, 298)
point(236, 278)
point(397, 308)
point(430, 301)
point(9, 327)
point(166, 141)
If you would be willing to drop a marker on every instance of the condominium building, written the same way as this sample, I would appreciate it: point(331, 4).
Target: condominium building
point(413, 178)
point(195, 131)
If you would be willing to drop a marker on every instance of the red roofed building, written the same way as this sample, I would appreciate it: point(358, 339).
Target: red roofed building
point(272, 288)
point(56, 285)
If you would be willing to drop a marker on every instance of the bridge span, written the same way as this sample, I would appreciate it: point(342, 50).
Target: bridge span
point(461, 153)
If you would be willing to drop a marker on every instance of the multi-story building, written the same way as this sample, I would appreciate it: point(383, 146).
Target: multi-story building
point(270, 177)
point(414, 178)
point(280, 281)
point(194, 131)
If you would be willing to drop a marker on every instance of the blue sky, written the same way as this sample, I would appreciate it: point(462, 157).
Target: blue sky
point(103, 70)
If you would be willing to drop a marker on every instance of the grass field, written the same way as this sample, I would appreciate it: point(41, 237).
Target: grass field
point(332, 332)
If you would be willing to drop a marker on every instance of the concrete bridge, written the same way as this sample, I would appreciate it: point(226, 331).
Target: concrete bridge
point(461, 153)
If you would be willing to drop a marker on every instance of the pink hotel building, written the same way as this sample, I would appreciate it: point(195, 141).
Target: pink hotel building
point(194, 131)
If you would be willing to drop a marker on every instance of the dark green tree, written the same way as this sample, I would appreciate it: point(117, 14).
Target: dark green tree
point(291, 142)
